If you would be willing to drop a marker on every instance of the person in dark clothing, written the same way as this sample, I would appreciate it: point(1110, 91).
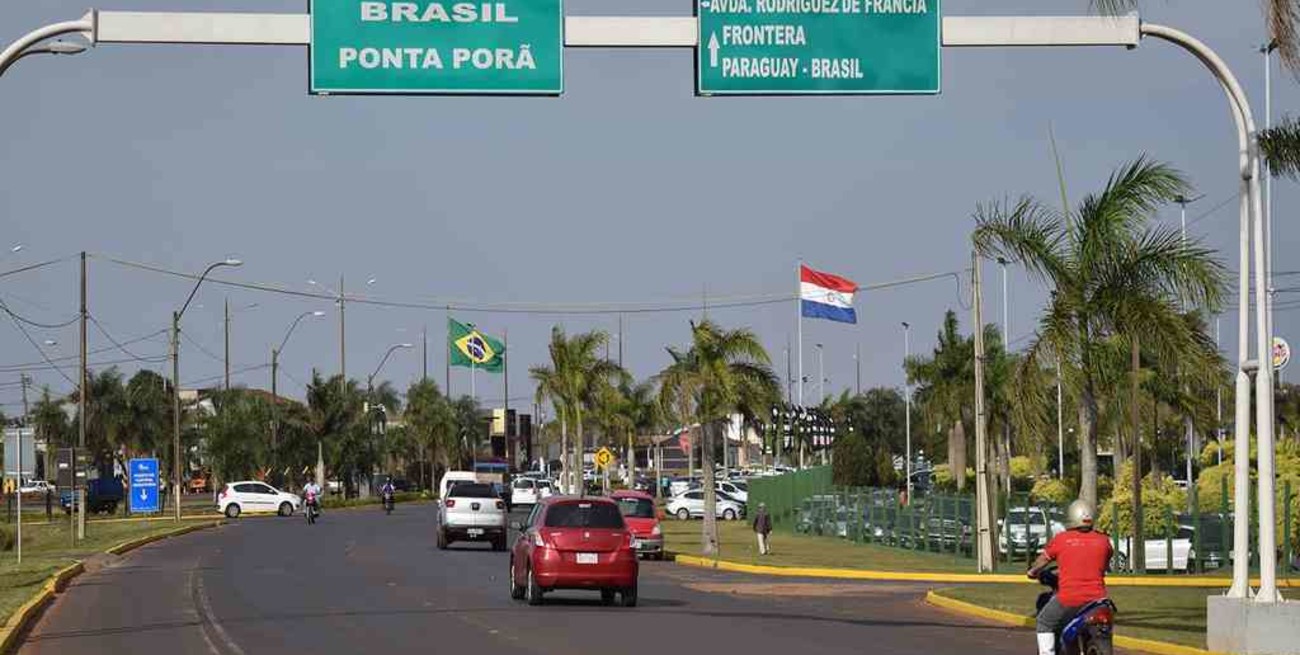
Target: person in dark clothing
point(762, 528)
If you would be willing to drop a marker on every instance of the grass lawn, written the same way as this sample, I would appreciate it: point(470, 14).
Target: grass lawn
point(48, 548)
point(739, 545)
point(1172, 614)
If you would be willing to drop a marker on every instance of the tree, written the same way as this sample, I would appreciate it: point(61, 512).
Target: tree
point(149, 401)
point(50, 421)
point(429, 416)
point(723, 372)
point(235, 434)
point(946, 389)
point(1111, 274)
point(338, 422)
point(470, 428)
point(572, 380)
point(108, 416)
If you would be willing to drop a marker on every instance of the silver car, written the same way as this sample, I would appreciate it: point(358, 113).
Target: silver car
point(690, 505)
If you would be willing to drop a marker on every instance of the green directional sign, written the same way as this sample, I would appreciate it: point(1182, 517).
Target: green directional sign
point(795, 47)
point(507, 47)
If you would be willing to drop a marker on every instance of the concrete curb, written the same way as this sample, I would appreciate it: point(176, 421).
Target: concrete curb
point(945, 578)
point(27, 614)
point(998, 616)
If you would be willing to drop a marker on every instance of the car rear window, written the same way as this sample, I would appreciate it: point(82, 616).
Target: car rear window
point(584, 515)
point(472, 490)
point(636, 508)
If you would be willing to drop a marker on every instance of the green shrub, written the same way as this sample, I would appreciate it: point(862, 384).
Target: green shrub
point(1161, 499)
point(7, 538)
point(1053, 491)
point(1022, 473)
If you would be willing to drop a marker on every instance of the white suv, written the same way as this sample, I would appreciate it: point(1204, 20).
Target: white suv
point(257, 498)
point(472, 512)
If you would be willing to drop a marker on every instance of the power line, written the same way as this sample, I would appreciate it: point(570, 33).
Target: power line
point(32, 267)
point(14, 368)
point(22, 328)
point(195, 342)
point(219, 376)
point(540, 308)
point(1202, 216)
point(37, 324)
point(115, 341)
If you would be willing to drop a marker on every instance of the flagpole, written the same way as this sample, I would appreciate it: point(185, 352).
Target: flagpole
point(447, 361)
point(798, 313)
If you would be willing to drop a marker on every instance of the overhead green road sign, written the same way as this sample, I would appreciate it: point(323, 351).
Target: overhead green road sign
point(796, 47)
point(506, 47)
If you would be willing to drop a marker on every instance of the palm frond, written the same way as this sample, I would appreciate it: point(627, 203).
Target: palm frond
point(1280, 146)
point(1114, 6)
point(1283, 19)
point(1027, 232)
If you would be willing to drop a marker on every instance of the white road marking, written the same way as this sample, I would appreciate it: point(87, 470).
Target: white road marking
point(209, 618)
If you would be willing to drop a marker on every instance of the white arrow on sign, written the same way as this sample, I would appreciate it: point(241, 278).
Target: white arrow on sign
point(713, 50)
point(143, 495)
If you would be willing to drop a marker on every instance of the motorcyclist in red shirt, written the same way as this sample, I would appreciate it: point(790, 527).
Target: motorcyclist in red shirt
point(1081, 555)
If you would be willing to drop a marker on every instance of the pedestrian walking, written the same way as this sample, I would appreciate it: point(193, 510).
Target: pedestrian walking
point(762, 528)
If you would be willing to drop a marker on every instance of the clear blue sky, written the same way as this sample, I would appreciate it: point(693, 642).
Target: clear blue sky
point(626, 189)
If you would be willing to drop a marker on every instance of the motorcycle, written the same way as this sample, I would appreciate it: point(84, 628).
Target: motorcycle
point(388, 502)
point(311, 510)
point(1090, 631)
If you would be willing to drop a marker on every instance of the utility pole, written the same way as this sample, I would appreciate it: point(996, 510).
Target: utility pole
point(1137, 553)
point(1006, 349)
point(343, 340)
point(857, 365)
point(1188, 428)
point(19, 495)
point(80, 493)
point(1060, 425)
point(227, 321)
point(983, 488)
point(176, 411)
point(424, 338)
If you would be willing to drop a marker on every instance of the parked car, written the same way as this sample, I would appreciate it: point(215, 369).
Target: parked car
point(1026, 525)
point(1157, 552)
point(642, 518)
point(680, 485)
point(102, 495)
point(737, 490)
point(256, 497)
point(529, 490)
point(574, 543)
point(472, 512)
point(33, 487)
point(690, 505)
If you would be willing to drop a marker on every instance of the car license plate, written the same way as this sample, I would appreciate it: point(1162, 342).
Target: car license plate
point(474, 532)
point(588, 558)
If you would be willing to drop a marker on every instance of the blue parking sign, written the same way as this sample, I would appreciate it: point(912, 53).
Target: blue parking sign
point(144, 485)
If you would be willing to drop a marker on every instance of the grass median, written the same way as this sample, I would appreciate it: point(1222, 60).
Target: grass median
point(48, 548)
point(1171, 614)
point(796, 550)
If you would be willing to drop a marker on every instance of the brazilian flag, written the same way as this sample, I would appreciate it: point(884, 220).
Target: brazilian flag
point(468, 347)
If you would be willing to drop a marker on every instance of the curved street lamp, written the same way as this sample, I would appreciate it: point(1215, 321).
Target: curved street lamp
point(33, 45)
point(176, 377)
point(370, 381)
point(275, 397)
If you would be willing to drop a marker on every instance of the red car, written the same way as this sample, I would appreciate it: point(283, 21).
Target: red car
point(574, 543)
point(642, 519)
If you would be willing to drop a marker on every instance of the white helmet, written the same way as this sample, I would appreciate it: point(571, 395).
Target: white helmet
point(1079, 515)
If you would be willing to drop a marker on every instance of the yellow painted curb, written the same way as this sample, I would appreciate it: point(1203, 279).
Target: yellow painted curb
point(27, 614)
point(999, 616)
point(946, 578)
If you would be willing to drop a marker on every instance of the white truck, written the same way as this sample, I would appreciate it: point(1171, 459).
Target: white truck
point(472, 511)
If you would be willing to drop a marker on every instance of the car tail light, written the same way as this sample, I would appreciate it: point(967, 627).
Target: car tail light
point(1102, 616)
point(225, 490)
point(501, 504)
point(538, 540)
point(450, 502)
point(656, 531)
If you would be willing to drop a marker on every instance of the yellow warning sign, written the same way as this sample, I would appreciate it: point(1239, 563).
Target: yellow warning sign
point(604, 458)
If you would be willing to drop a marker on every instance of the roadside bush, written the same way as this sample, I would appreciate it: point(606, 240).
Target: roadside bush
point(1161, 499)
point(1286, 465)
point(1022, 473)
point(1053, 491)
point(852, 465)
point(944, 481)
point(7, 538)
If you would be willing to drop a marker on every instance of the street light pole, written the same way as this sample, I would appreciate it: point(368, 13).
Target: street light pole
point(176, 380)
point(907, 419)
point(821, 376)
point(275, 396)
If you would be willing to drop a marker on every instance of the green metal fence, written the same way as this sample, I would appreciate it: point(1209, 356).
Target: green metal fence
point(806, 502)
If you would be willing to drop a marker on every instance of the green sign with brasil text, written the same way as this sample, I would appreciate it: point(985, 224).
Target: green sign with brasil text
point(504, 47)
point(795, 47)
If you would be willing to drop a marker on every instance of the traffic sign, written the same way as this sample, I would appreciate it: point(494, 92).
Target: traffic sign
point(1281, 353)
point(796, 47)
point(604, 458)
point(144, 485)
point(510, 47)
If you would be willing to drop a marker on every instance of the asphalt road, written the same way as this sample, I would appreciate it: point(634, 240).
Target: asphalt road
point(360, 581)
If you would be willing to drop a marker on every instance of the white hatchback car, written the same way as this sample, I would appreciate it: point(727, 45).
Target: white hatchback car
point(529, 491)
point(256, 498)
point(690, 505)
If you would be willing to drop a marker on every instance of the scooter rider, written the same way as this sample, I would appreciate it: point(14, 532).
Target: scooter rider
point(311, 495)
point(1081, 555)
point(388, 490)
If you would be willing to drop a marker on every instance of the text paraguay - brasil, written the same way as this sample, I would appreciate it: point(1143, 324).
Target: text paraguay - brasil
point(429, 58)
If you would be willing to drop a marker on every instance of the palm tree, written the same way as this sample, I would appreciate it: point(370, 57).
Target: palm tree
point(722, 373)
point(575, 374)
point(340, 427)
point(150, 406)
point(1112, 274)
point(430, 418)
point(108, 417)
point(946, 382)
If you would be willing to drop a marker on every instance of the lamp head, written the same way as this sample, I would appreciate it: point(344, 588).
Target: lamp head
point(66, 47)
point(318, 313)
point(232, 262)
